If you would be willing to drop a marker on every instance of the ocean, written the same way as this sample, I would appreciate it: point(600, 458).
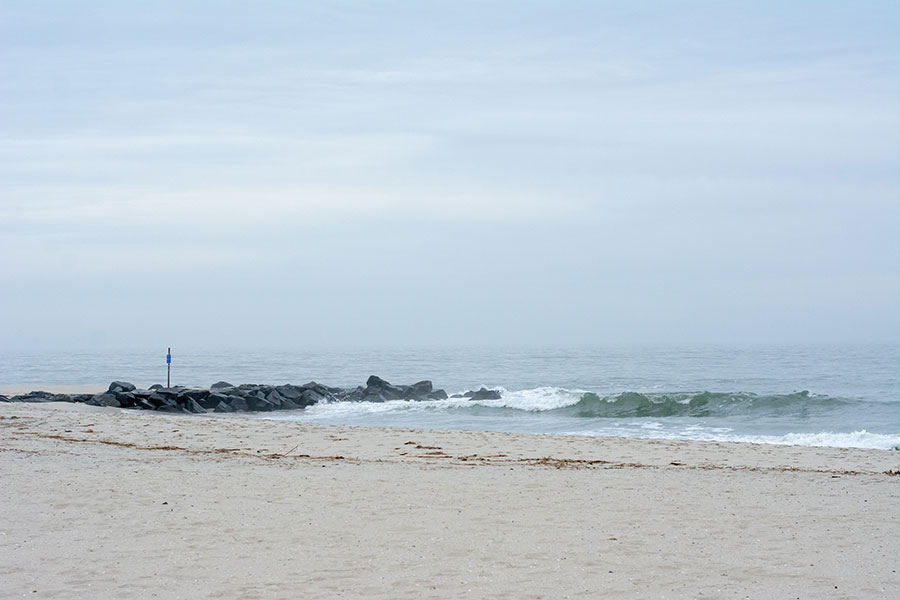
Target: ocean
point(826, 395)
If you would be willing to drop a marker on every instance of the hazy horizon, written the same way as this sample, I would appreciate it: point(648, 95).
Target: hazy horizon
point(291, 175)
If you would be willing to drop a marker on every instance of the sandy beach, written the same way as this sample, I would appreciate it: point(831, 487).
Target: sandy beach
point(105, 503)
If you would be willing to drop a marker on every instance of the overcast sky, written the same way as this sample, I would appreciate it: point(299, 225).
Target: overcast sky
point(299, 173)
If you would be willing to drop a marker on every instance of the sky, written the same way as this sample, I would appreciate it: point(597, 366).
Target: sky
point(296, 174)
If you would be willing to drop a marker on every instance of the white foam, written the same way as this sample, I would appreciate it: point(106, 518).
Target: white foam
point(855, 439)
point(535, 399)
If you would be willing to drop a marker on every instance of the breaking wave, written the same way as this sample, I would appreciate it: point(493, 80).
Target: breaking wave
point(703, 404)
point(797, 418)
point(676, 404)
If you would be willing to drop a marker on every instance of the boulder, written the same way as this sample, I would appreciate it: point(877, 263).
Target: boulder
point(482, 394)
point(212, 400)
point(324, 390)
point(192, 406)
point(3, 398)
point(376, 381)
point(421, 389)
point(309, 397)
point(172, 392)
point(437, 395)
point(350, 395)
point(33, 397)
point(220, 384)
point(275, 397)
point(126, 399)
point(162, 402)
point(289, 405)
point(104, 400)
point(156, 386)
point(239, 403)
point(379, 390)
point(121, 386)
point(144, 404)
point(262, 404)
point(223, 407)
point(290, 392)
point(197, 394)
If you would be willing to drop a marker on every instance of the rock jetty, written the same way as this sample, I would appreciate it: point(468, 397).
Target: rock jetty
point(224, 397)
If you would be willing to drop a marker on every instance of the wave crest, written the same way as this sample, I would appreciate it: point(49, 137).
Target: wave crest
point(689, 404)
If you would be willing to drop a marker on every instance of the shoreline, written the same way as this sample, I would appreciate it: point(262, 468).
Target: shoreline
point(223, 400)
point(212, 506)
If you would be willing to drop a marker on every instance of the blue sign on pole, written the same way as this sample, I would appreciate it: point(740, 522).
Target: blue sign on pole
point(168, 359)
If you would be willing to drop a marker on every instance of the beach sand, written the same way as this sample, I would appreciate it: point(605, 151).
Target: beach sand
point(105, 503)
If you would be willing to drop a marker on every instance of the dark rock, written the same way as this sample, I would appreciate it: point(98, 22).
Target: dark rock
point(212, 400)
point(144, 404)
point(33, 397)
point(289, 405)
point(220, 384)
point(156, 386)
point(379, 390)
point(421, 389)
point(350, 395)
point(309, 397)
point(276, 398)
point(192, 406)
point(126, 399)
point(3, 398)
point(290, 392)
point(197, 394)
point(437, 395)
point(482, 394)
point(104, 400)
point(375, 381)
point(160, 401)
point(262, 403)
point(239, 404)
point(223, 407)
point(120, 386)
point(81, 397)
point(324, 390)
point(485, 394)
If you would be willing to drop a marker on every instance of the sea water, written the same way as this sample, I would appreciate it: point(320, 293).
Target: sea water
point(834, 395)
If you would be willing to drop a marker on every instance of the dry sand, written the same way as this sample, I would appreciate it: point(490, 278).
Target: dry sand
point(104, 503)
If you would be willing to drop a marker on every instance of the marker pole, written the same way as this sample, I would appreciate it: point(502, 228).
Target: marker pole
point(169, 368)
